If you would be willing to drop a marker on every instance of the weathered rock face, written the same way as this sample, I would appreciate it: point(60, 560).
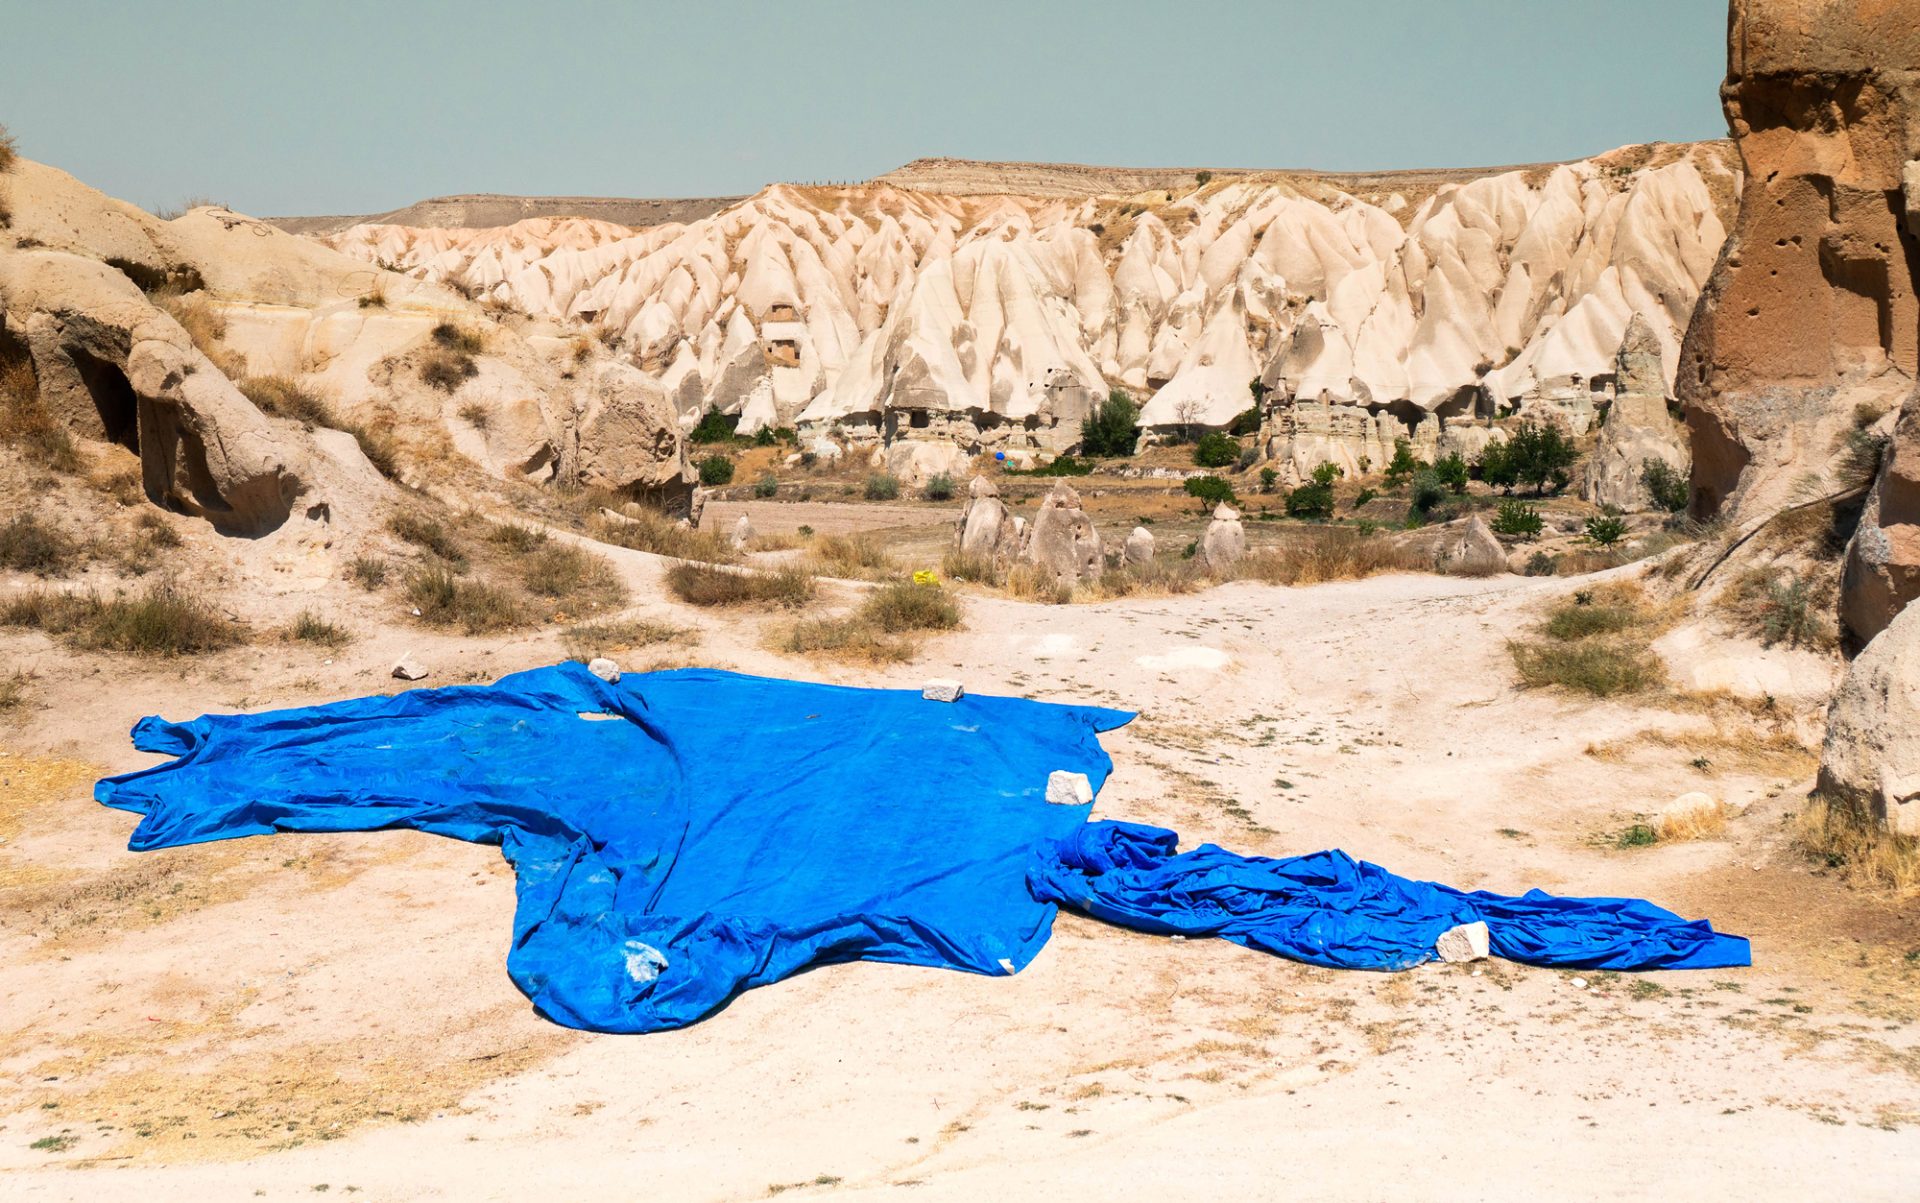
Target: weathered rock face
point(1883, 560)
point(1062, 541)
point(1871, 761)
point(986, 529)
point(916, 461)
point(1811, 309)
point(116, 368)
point(1225, 541)
point(1638, 426)
point(1475, 552)
point(626, 438)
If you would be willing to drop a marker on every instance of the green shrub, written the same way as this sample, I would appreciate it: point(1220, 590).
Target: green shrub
point(1215, 450)
point(1210, 489)
point(773, 436)
point(1315, 498)
point(767, 486)
point(882, 487)
point(1667, 486)
point(1606, 531)
point(1518, 519)
point(716, 470)
point(1268, 479)
point(1112, 428)
point(1403, 464)
point(1065, 465)
point(1245, 423)
point(940, 488)
point(715, 427)
point(1363, 497)
point(1428, 491)
point(1452, 471)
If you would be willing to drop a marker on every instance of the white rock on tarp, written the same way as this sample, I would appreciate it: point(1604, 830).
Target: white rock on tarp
point(1467, 942)
point(1069, 789)
point(605, 669)
point(943, 689)
point(406, 668)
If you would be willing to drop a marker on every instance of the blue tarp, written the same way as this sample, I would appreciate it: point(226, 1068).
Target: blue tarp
point(1329, 909)
point(681, 836)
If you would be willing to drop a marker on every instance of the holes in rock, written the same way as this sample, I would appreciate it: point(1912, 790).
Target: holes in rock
point(113, 398)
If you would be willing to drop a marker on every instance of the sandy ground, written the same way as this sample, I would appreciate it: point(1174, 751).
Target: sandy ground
point(331, 1014)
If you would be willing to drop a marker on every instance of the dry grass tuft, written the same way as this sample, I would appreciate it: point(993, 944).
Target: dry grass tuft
point(162, 620)
point(1775, 605)
point(13, 693)
point(880, 631)
point(842, 639)
point(656, 533)
point(29, 545)
point(707, 585)
point(285, 397)
point(428, 534)
point(24, 419)
point(1311, 556)
point(309, 627)
point(570, 575)
point(858, 556)
point(9, 153)
point(445, 600)
point(368, 572)
point(617, 636)
point(1698, 824)
point(1597, 642)
point(905, 606)
point(1861, 851)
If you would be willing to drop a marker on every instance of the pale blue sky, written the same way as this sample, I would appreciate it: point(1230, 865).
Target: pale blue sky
point(283, 107)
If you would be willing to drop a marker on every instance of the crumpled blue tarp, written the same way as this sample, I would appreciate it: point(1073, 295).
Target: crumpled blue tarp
point(733, 831)
point(681, 836)
point(1329, 909)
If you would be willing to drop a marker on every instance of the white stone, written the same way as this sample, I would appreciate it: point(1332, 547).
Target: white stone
point(1467, 942)
point(605, 669)
point(406, 668)
point(1069, 789)
point(943, 689)
point(1139, 545)
point(742, 533)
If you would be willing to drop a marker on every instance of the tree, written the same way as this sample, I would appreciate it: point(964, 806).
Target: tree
point(1428, 492)
point(1186, 413)
point(1539, 455)
point(1112, 428)
point(1315, 499)
point(1667, 486)
point(1209, 489)
point(1452, 470)
point(1518, 519)
point(1606, 531)
point(1215, 450)
point(1403, 465)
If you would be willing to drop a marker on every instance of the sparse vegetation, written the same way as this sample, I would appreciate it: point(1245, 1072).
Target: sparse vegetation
point(368, 572)
point(285, 397)
point(1593, 645)
point(881, 629)
point(940, 488)
point(477, 416)
point(161, 620)
point(1210, 490)
point(616, 636)
point(1338, 553)
point(428, 534)
point(767, 486)
point(882, 487)
point(570, 575)
point(857, 555)
point(309, 627)
point(446, 600)
point(1778, 606)
point(24, 419)
point(651, 531)
point(1857, 848)
point(707, 585)
point(906, 606)
point(29, 545)
point(447, 370)
point(9, 150)
point(1666, 485)
point(456, 339)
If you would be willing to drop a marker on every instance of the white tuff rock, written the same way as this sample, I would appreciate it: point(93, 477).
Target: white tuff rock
point(1139, 545)
point(1467, 942)
point(1062, 541)
point(1475, 552)
point(943, 689)
point(1225, 541)
point(605, 669)
point(742, 533)
point(1870, 764)
point(1069, 789)
point(406, 668)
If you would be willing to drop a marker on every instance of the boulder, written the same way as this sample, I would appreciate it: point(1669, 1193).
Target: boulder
point(1061, 541)
point(406, 668)
point(1870, 764)
point(1463, 943)
point(1474, 552)
point(986, 529)
point(1139, 547)
point(605, 669)
point(1225, 540)
point(627, 439)
point(1638, 426)
point(914, 462)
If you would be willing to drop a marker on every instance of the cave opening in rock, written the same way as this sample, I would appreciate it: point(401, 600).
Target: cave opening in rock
point(113, 398)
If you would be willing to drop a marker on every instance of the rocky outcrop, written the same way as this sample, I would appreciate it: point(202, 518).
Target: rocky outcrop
point(1473, 552)
point(1061, 540)
point(118, 369)
point(626, 438)
point(987, 530)
point(1870, 764)
point(1638, 429)
point(1139, 547)
point(991, 320)
point(1224, 542)
point(1882, 573)
point(915, 462)
point(1811, 311)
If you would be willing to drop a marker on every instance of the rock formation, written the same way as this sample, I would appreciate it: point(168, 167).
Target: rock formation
point(1474, 552)
point(1810, 314)
point(1638, 428)
point(1224, 542)
point(994, 321)
point(1139, 546)
point(987, 530)
point(1882, 574)
point(1870, 764)
point(1061, 541)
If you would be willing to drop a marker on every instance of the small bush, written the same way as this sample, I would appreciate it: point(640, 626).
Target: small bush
point(309, 627)
point(1403, 464)
point(1639, 835)
point(1518, 519)
point(1452, 472)
point(13, 692)
point(453, 338)
point(428, 534)
point(285, 397)
point(447, 370)
point(163, 620)
point(940, 488)
point(882, 487)
point(705, 585)
point(1065, 465)
point(445, 600)
point(9, 152)
point(906, 606)
point(30, 545)
point(960, 566)
point(715, 427)
point(516, 539)
point(1311, 501)
point(1112, 428)
point(1667, 486)
point(767, 486)
point(1541, 564)
point(1428, 491)
point(1605, 531)
point(1779, 607)
point(571, 574)
point(1363, 497)
point(1858, 847)
point(1216, 450)
point(477, 416)
point(656, 533)
point(1578, 621)
point(1596, 667)
point(1269, 479)
point(1211, 490)
point(843, 639)
point(368, 572)
point(716, 470)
